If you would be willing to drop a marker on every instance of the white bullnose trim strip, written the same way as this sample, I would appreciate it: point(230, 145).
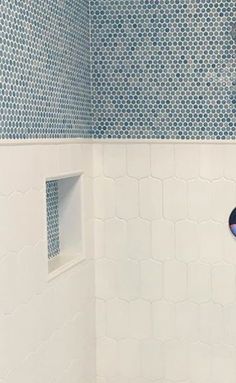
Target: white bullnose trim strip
point(162, 141)
point(70, 141)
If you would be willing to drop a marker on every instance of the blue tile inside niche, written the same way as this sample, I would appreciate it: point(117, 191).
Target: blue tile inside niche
point(163, 69)
point(53, 233)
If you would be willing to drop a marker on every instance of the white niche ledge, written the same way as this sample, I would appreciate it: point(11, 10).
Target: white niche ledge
point(70, 221)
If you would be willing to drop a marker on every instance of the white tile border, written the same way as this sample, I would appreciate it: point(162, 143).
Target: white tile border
point(69, 141)
point(164, 141)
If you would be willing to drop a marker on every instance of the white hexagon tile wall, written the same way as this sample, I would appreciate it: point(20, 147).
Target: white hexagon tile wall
point(46, 326)
point(165, 262)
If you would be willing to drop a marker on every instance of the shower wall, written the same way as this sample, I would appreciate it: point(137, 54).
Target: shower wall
point(164, 256)
point(165, 268)
point(165, 262)
point(47, 331)
point(163, 69)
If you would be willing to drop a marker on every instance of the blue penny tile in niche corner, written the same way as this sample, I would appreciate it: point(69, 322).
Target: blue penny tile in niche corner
point(45, 69)
point(163, 69)
point(53, 231)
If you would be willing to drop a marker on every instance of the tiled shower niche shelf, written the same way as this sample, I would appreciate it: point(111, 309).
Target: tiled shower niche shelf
point(64, 222)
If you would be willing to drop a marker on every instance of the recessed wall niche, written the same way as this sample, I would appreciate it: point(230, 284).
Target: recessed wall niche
point(64, 221)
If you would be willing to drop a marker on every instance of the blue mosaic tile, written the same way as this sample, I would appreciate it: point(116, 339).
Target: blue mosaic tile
point(163, 69)
point(45, 69)
point(53, 232)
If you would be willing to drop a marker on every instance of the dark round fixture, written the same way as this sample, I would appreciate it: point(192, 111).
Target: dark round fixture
point(232, 222)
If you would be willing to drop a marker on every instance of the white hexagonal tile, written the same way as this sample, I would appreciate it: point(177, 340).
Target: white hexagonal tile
point(187, 241)
point(229, 314)
point(186, 161)
point(117, 319)
point(152, 361)
point(224, 284)
point(98, 160)
point(187, 321)
point(141, 380)
point(211, 323)
point(175, 199)
point(138, 239)
point(176, 360)
point(115, 238)
point(23, 171)
point(34, 217)
point(101, 315)
point(162, 160)
point(163, 240)
point(224, 363)
point(223, 199)
point(211, 161)
point(175, 281)
point(107, 357)
point(163, 320)
point(8, 283)
point(5, 224)
point(40, 268)
point(129, 358)
point(211, 244)
point(138, 160)
point(229, 247)
point(76, 156)
point(229, 161)
point(18, 216)
point(200, 362)
point(128, 279)
point(99, 238)
point(151, 280)
point(48, 160)
point(7, 350)
point(114, 160)
point(100, 379)
point(105, 278)
point(150, 190)
point(7, 185)
point(199, 199)
point(104, 198)
point(86, 159)
point(140, 324)
point(88, 196)
point(127, 205)
point(199, 282)
point(65, 160)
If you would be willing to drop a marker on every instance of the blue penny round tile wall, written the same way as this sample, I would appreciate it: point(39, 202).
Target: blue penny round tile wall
point(160, 69)
point(163, 69)
point(45, 69)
